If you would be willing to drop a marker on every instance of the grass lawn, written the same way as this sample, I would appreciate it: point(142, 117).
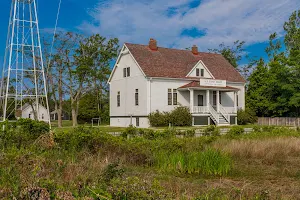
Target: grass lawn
point(67, 126)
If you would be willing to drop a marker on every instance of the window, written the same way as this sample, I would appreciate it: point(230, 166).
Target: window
point(220, 97)
point(118, 99)
point(174, 97)
point(197, 72)
point(29, 116)
point(202, 72)
point(237, 100)
point(126, 72)
point(137, 121)
point(137, 97)
point(42, 116)
point(169, 96)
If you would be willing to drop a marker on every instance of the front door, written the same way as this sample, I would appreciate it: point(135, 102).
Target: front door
point(200, 100)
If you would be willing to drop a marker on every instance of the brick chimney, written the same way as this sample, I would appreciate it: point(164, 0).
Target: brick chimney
point(153, 44)
point(195, 50)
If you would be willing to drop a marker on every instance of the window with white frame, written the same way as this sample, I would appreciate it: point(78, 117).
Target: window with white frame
point(197, 72)
point(202, 72)
point(126, 72)
point(172, 96)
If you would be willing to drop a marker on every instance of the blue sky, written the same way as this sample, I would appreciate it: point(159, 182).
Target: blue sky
point(176, 24)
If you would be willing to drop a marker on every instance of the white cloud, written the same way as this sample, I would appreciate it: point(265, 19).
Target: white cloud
point(223, 20)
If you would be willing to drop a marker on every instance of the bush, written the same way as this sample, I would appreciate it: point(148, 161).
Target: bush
point(159, 119)
point(268, 129)
point(236, 131)
point(180, 116)
point(23, 132)
point(211, 131)
point(246, 116)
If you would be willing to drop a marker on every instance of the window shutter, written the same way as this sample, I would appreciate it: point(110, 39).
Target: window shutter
point(124, 72)
point(128, 71)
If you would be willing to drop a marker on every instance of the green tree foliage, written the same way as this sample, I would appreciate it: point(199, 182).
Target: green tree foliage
point(232, 54)
point(81, 67)
point(274, 86)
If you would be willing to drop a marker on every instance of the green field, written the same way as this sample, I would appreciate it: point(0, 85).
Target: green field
point(87, 163)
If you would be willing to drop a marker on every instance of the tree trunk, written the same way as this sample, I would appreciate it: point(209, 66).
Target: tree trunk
point(74, 117)
point(74, 112)
point(60, 94)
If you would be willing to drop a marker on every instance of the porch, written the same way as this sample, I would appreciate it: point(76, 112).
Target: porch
point(217, 105)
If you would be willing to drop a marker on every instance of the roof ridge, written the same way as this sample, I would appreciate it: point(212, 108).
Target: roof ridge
point(202, 52)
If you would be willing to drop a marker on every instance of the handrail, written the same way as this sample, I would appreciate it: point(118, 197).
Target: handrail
point(213, 112)
point(224, 113)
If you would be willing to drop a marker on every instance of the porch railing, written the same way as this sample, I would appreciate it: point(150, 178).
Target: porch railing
point(224, 113)
point(200, 109)
point(214, 114)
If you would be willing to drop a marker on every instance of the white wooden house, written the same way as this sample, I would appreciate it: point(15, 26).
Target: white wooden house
point(147, 78)
point(28, 112)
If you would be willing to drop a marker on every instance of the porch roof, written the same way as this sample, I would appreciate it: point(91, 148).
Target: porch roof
point(196, 85)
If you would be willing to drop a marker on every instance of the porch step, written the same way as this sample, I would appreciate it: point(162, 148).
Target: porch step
point(222, 121)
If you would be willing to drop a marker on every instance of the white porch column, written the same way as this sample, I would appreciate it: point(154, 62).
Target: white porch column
point(207, 98)
point(218, 101)
point(191, 100)
point(235, 101)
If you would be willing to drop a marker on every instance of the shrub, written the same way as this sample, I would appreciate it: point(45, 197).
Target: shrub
point(180, 116)
point(246, 116)
point(211, 131)
point(132, 131)
point(22, 132)
point(159, 119)
point(236, 130)
point(112, 171)
point(257, 129)
point(268, 129)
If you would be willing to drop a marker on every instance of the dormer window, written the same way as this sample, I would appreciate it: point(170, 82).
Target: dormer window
point(200, 72)
point(126, 72)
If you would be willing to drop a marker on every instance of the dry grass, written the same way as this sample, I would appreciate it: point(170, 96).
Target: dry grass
point(270, 149)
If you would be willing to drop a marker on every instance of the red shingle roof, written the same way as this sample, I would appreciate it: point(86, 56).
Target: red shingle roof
point(175, 63)
point(196, 84)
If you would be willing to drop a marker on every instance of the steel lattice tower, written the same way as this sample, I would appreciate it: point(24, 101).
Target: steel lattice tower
point(23, 77)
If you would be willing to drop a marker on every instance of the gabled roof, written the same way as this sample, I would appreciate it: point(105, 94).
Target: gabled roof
point(175, 63)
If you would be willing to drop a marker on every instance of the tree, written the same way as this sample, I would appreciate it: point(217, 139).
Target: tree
point(256, 99)
point(233, 54)
point(92, 58)
point(57, 70)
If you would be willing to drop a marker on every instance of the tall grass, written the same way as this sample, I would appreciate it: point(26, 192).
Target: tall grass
point(271, 149)
point(208, 162)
